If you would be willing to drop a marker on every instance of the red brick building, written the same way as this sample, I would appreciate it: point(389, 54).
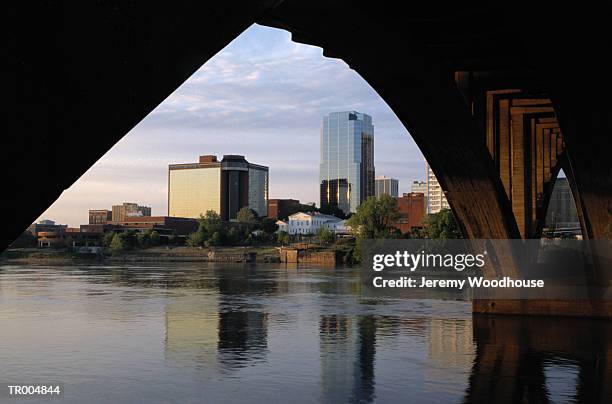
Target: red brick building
point(68, 238)
point(100, 216)
point(165, 225)
point(281, 208)
point(412, 211)
point(179, 225)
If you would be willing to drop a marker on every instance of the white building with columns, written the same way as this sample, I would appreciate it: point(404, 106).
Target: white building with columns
point(310, 223)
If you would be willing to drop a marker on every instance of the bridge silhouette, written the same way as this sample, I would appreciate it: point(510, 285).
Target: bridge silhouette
point(498, 97)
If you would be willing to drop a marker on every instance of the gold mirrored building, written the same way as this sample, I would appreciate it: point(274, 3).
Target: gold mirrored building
point(223, 186)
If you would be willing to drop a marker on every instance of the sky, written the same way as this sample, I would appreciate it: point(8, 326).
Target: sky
point(262, 96)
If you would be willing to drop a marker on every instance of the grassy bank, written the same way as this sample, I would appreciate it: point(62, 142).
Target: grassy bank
point(153, 254)
point(262, 254)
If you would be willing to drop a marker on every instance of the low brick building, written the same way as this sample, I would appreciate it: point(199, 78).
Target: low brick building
point(45, 226)
point(282, 208)
point(412, 209)
point(68, 238)
point(180, 226)
point(100, 216)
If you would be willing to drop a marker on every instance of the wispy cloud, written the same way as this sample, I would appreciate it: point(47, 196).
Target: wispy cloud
point(262, 96)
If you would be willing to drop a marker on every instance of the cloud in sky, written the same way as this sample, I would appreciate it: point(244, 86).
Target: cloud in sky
point(262, 96)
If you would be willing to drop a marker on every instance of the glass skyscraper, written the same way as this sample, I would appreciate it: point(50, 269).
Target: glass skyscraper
point(346, 172)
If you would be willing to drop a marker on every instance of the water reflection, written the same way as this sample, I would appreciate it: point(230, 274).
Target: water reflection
point(243, 325)
point(242, 334)
point(348, 350)
point(522, 359)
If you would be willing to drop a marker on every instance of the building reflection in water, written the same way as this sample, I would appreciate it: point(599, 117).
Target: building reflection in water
point(347, 349)
point(223, 326)
point(450, 350)
point(192, 336)
point(221, 329)
point(535, 360)
point(243, 330)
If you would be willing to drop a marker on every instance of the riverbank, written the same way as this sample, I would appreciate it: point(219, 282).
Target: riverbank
point(154, 254)
point(253, 254)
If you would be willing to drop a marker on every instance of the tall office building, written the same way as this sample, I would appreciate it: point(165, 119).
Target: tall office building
point(128, 209)
point(435, 198)
point(384, 185)
point(223, 186)
point(418, 187)
point(346, 171)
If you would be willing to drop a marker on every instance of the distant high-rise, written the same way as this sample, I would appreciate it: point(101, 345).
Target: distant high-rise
point(128, 209)
point(435, 198)
point(419, 187)
point(562, 208)
point(346, 171)
point(224, 186)
point(385, 185)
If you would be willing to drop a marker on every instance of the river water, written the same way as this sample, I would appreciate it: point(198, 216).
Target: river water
point(192, 333)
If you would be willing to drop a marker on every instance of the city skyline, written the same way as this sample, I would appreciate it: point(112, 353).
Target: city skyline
point(262, 96)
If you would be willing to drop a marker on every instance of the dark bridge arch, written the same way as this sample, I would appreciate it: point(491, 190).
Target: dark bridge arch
point(82, 75)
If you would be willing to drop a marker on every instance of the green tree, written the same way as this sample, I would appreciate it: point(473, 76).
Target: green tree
point(210, 222)
point(130, 239)
point(154, 238)
point(216, 239)
point(269, 226)
point(107, 239)
point(235, 235)
point(143, 239)
point(282, 237)
point(117, 244)
point(441, 225)
point(246, 216)
point(195, 239)
point(326, 236)
point(149, 238)
point(375, 218)
point(415, 233)
point(123, 242)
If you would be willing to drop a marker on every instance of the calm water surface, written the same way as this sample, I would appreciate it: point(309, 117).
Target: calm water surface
point(231, 333)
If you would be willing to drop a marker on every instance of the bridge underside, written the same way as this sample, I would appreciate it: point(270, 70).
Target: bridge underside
point(491, 96)
point(498, 97)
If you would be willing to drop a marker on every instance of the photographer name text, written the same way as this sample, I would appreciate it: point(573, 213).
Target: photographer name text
point(405, 261)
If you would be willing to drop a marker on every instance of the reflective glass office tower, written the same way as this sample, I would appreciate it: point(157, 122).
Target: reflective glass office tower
point(346, 172)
